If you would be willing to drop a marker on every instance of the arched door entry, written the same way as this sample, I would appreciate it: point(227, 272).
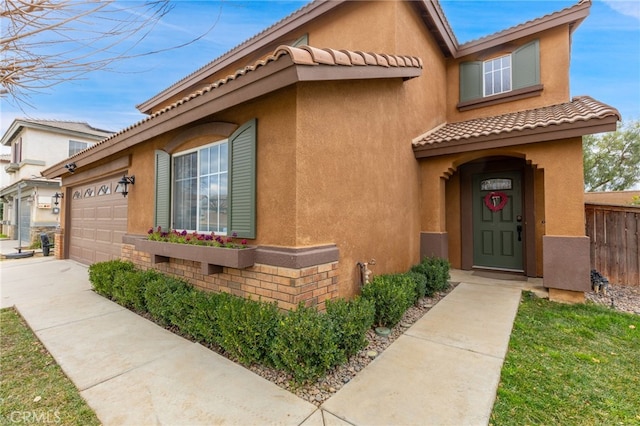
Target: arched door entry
point(498, 225)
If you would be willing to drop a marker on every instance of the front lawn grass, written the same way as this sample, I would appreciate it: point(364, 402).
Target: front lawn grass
point(33, 388)
point(570, 365)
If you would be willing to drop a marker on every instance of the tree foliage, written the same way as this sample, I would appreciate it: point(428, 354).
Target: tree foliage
point(47, 42)
point(612, 160)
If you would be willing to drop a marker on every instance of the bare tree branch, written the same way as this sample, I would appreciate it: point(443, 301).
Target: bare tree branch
point(47, 42)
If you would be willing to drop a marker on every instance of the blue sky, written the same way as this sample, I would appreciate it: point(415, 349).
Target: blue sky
point(605, 56)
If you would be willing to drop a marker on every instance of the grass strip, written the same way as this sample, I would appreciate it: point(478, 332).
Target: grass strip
point(33, 388)
point(570, 365)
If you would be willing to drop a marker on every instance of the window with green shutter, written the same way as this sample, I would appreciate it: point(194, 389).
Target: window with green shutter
point(519, 70)
point(162, 216)
point(213, 186)
point(242, 185)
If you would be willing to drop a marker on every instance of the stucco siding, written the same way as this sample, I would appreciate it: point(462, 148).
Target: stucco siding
point(555, 51)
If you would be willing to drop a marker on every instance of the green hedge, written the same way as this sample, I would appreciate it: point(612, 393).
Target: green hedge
point(436, 271)
point(303, 342)
point(247, 328)
point(392, 295)
point(305, 345)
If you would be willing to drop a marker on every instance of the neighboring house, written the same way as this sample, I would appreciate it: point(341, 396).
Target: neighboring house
point(378, 136)
point(27, 198)
point(5, 159)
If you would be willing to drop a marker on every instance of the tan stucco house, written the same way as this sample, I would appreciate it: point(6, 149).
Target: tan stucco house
point(352, 131)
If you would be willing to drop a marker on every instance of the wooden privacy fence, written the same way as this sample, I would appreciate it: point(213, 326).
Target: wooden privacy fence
point(613, 231)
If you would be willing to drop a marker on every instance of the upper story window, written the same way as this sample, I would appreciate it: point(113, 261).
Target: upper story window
point(76, 146)
point(498, 78)
point(16, 152)
point(497, 75)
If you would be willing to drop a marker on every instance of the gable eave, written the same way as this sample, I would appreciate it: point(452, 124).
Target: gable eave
point(287, 66)
point(250, 46)
point(571, 16)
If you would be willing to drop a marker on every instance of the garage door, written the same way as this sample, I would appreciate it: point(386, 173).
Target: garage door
point(98, 221)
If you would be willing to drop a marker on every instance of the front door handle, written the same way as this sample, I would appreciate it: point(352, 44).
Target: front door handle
point(519, 229)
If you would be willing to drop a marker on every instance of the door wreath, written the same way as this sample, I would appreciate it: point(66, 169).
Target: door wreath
point(495, 201)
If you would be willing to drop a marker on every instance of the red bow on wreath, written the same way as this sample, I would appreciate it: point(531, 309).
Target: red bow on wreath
point(496, 201)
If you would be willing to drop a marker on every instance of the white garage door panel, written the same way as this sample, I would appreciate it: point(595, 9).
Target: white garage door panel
point(98, 221)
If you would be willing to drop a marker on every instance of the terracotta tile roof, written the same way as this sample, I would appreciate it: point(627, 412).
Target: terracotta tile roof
point(304, 56)
point(581, 108)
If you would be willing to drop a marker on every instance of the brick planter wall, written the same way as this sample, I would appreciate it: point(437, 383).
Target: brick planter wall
point(58, 249)
point(287, 286)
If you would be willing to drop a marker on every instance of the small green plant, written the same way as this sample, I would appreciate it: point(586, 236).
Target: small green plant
point(201, 322)
point(420, 281)
point(436, 271)
point(350, 321)
point(35, 245)
point(163, 297)
point(128, 289)
point(247, 328)
point(392, 295)
point(305, 345)
point(102, 275)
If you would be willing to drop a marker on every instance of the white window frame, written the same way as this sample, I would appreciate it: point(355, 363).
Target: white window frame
point(198, 182)
point(502, 70)
point(76, 150)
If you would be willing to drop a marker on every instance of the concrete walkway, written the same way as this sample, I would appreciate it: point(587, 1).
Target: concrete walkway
point(443, 371)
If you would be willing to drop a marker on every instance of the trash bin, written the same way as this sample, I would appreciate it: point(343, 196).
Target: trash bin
point(46, 245)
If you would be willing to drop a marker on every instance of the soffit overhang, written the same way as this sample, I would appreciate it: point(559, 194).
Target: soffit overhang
point(582, 116)
point(287, 66)
point(572, 16)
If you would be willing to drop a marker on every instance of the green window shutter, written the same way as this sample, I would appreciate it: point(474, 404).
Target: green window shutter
point(470, 80)
point(162, 215)
point(526, 65)
point(242, 181)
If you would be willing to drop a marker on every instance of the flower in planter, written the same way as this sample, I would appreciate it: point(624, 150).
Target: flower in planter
point(195, 238)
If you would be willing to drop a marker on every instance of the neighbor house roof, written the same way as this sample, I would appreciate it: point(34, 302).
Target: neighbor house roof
point(583, 115)
point(286, 66)
point(73, 128)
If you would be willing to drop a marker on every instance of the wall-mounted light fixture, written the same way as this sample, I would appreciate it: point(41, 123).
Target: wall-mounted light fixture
point(126, 180)
point(71, 167)
point(57, 196)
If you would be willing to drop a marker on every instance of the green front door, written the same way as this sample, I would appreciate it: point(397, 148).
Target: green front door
point(497, 221)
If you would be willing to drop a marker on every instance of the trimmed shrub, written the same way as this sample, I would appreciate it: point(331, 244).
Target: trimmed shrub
point(436, 271)
point(350, 322)
point(247, 328)
point(102, 275)
point(305, 345)
point(128, 289)
point(161, 298)
point(420, 281)
point(392, 295)
point(201, 323)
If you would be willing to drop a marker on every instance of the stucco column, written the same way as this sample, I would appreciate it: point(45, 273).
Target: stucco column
point(433, 236)
point(565, 248)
